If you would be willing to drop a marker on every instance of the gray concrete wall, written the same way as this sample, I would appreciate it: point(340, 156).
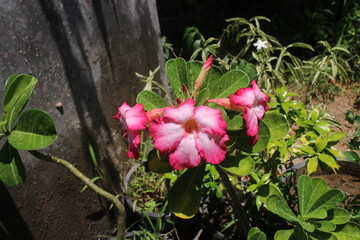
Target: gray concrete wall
point(85, 54)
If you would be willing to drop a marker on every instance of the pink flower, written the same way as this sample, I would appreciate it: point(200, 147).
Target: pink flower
point(251, 101)
point(132, 119)
point(190, 134)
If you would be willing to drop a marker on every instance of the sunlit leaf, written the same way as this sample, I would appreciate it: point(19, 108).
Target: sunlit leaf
point(151, 100)
point(34, 130)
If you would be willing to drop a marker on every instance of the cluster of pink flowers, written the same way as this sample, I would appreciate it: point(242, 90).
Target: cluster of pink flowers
point(190, 133)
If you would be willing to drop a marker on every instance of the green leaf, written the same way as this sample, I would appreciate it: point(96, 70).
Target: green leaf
point(279, 206)
point(18, 89)
point(228, 84)
point(202, 96)
point(312, 165)
point(151, 100)
point(336, 136)
point(319, 188)
point(12, 170)
point(284, 234)
point(177, 75)
point(238, 165)
point(299, 232)
point(352, 156)
point(306, 149)
point(324, 226)
point(268, 190)
point(308, 227)
point(193, 69)
point(235, 123)
point(321, 143)
point(304, 191)
point(301, 45)
point(277, 124)
point(185, 195)
point(212, 76)
point(318, 214)
point(35, 130)
point(242, 140)
point(349, 231)
point(328, 200)
point(338, 216)
point(328, 160)
point(256, 234)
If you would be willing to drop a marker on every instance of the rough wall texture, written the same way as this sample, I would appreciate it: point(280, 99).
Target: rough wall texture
point(85, 54)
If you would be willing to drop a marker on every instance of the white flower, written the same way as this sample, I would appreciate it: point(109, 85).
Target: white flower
point(260, 44)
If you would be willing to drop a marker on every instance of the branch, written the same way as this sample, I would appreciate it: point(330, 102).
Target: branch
point(113, 199)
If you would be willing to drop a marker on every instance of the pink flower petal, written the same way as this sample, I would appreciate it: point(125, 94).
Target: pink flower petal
point(133, 144)
point(186, 155)
point(135, 117)
point(182, 113)
point(212, 147)
point(260, 97)
point(251, 122)
point(210, 120)
point(166, 134)
point(259, 111)
point(243, 97)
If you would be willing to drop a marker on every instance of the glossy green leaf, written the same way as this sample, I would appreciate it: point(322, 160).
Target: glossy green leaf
point(256, 234)
point(304, 192)
point(328, 160)
point(352, 156)
point(277, 124)
point(321, 143)
point(193, 69)
point(349, 231)
point(212, 77)
point(299, 232)
point(336, 136)
point(317, 214)
point(284, 234)
point(235, 123)
point(280, 207)
point(328, 200)
point(338, 216)
point(185, 195)
point(202, 96)
point(306, 149)
point(307, 226)
point(312, 165)
point(238, 165)
point(228, 84)
point(34, 130)
point(18, 89)
point(324, 226)
point(12, 170)
point(248, 69)
point(319, 188)
point(151, 100)
point(268, 190)
point(242, 141)
point(177, 75)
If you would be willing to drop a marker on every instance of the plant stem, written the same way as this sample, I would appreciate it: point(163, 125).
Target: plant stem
point(112, 198)
point(236, 202)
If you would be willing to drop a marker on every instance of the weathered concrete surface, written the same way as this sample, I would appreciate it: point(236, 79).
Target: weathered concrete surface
point(85, 54)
